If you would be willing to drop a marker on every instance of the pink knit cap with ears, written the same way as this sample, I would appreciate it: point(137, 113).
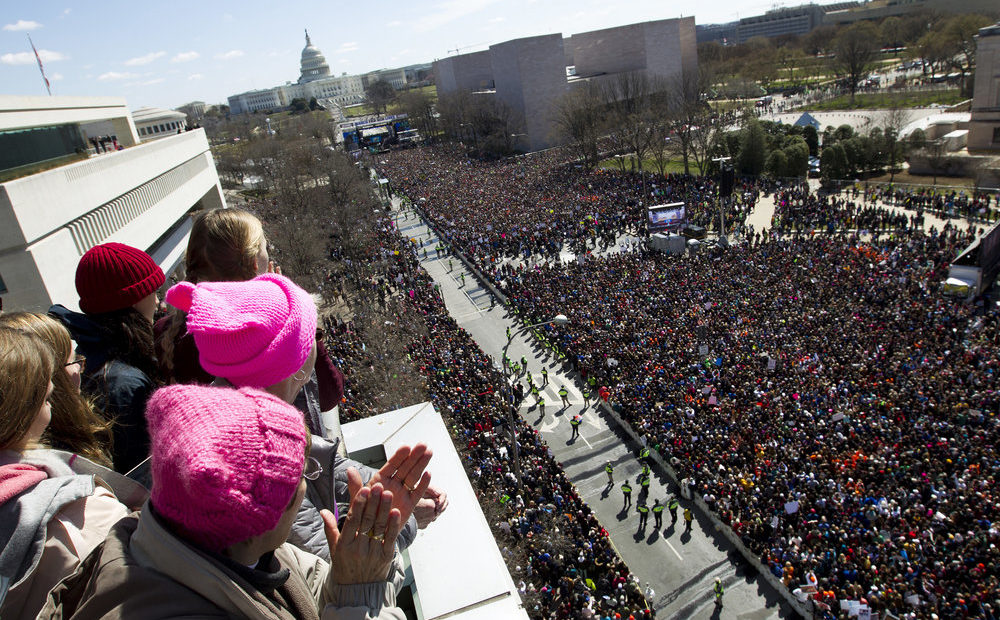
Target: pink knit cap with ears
point(254, 333)
point(226, 463)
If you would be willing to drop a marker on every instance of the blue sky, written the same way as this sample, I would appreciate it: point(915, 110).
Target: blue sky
point(168, 53)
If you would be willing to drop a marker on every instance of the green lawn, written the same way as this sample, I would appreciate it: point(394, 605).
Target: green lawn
point(876, 101)
point(365, 110)
point(649, 165)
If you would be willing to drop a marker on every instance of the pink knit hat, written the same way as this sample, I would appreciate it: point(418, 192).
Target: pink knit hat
point(253, 333)
point(226, 463)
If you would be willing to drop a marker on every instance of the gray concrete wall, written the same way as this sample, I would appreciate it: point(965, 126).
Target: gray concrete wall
point(464, 72)
point(530, 77)
point(611, 50)
point(986, 92)
point(661, 48)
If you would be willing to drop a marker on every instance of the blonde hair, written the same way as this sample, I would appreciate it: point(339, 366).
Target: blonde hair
point(26, 367)
point(223, 247)
point(75, 426)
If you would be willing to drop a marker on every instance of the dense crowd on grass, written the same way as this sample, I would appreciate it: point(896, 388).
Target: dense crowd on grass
point(829, 403)
point(533, 206)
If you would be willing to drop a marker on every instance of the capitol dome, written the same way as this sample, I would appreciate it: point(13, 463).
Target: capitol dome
point(314, 66)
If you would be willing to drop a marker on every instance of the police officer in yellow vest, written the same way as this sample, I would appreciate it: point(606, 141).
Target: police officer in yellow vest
point(658, 513)
point(627, 492)
point(643, 510)
point(564, 395)
point(672, 506)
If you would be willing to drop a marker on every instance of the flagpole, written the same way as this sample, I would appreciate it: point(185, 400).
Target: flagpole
point(40, 67)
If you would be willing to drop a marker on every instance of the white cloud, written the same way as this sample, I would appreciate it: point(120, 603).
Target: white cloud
point(394, 23)
point(449, 11)
point(22, 24)
point(185, 57)
point(55, 77)
point(66, 12)
point(144, 60)
point(497, 20)
point(27, 58)
point(349, 46)
point(229, 55)
point(195, 76)
point(111, 76)
point(147, 82)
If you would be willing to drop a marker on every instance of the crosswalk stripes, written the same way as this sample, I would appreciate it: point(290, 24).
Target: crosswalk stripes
point(551, 391)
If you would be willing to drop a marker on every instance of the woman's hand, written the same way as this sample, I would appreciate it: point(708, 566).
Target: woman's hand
point(431, 505)
point(404, 477)
point(363, 552)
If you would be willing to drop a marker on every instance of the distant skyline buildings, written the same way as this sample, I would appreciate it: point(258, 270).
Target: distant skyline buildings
point(134, 50)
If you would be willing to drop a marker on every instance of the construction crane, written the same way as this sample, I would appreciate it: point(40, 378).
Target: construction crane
point(466, 47)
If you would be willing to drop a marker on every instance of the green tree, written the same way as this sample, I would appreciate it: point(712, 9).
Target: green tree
point(753, 148)
point(811, 137)
point(833, 163)
point(796, 153)
point(856, 47)
point(776, 164)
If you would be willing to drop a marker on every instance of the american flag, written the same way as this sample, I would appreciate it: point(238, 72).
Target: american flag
point(40, 67)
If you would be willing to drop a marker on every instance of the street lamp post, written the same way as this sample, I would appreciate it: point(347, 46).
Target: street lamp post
point(723, 164)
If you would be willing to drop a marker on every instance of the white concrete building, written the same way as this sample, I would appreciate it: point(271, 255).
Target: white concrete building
point(152, 123)
point(314, 81)
point(57, 200)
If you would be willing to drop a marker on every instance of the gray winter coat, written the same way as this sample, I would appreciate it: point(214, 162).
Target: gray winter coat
point(330, 490)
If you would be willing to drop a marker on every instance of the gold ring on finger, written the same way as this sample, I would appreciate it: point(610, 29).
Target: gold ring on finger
point(371, 534)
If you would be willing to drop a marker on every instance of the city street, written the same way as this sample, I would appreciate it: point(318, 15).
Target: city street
point(680, 566)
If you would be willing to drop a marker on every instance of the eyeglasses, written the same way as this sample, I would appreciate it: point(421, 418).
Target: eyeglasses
point(312, 469)
point(81, 360)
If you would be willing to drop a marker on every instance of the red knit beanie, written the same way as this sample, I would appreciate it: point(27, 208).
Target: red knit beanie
point(114, 276)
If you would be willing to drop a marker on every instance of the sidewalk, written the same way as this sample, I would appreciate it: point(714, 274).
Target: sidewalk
point(681, 566)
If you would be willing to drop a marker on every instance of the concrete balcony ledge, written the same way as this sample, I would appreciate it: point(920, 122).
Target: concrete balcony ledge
point(34, 206)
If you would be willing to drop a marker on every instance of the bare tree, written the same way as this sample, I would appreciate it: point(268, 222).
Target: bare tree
point(580, 119)
point(960, 32)
point(856, 47)
point(629, 96)
point(454, 108)
point(892, 123)
point(380, 94)
point(419, 108)
point(687, 112)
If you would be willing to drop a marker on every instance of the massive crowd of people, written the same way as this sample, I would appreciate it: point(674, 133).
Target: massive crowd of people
point(556, 549)
point(833, 407)
point(817, 391)
point(532, 206)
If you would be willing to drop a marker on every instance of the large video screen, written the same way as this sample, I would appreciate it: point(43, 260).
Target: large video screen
point(666, 217)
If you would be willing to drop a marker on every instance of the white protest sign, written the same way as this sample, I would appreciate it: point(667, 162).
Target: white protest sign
point(792, 507)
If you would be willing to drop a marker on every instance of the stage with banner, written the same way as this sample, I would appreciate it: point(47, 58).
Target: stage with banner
point(665, 217)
